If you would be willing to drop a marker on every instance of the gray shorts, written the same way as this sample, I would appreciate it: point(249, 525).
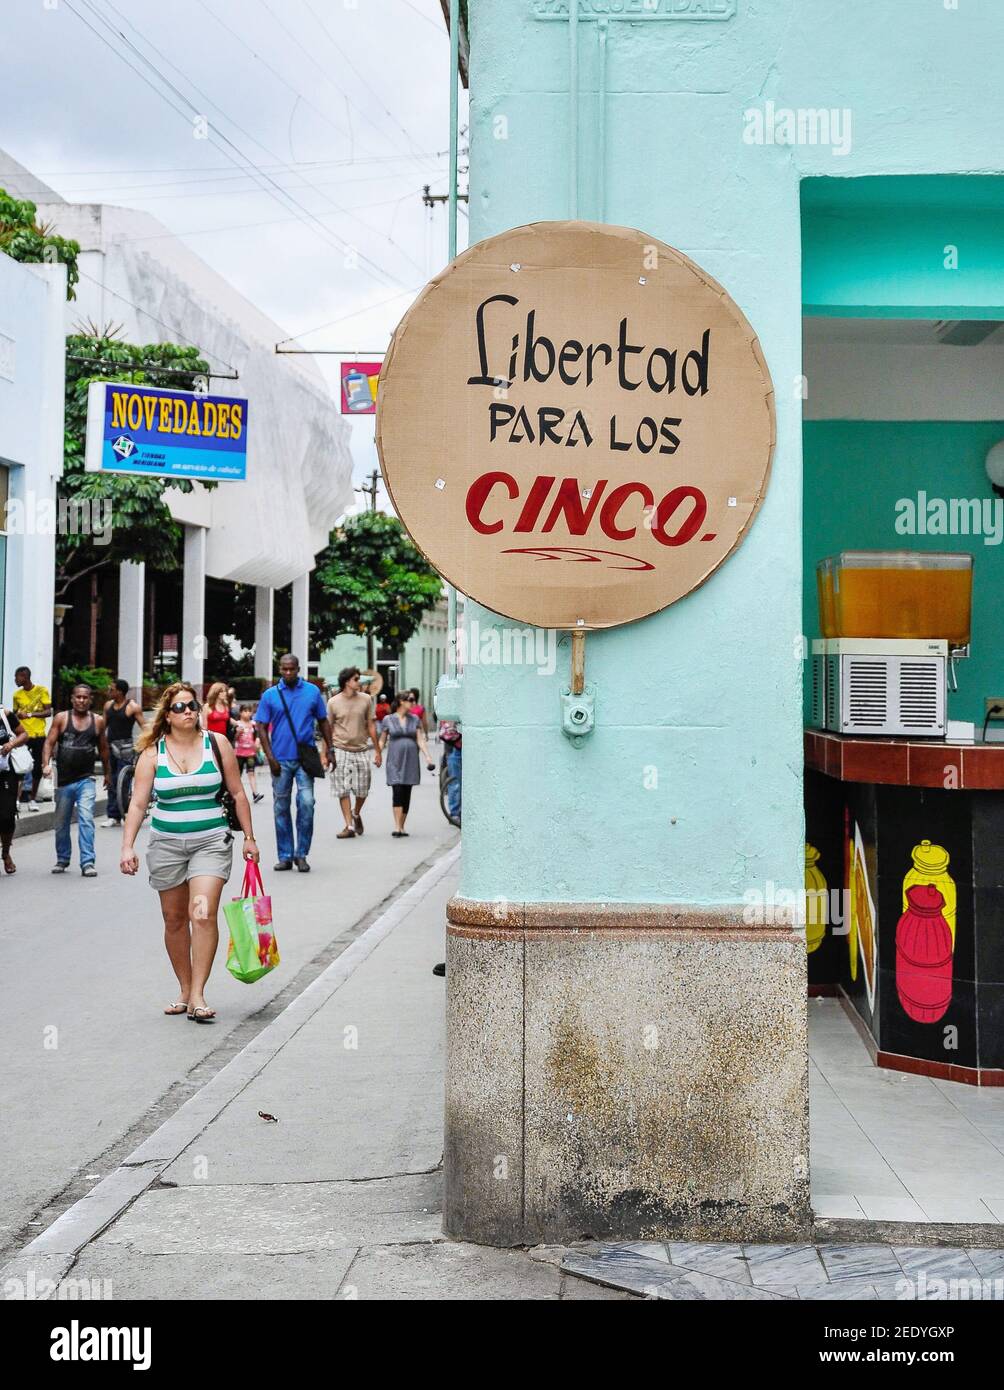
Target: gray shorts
point(174, 859)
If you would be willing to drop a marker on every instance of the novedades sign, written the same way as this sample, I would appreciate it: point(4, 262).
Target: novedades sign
point(575, 424)
point(180, 434)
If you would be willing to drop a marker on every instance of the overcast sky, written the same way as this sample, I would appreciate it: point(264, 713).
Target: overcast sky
point(343, 103)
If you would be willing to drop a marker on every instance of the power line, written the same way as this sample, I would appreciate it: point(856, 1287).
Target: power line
point(139, 365)
point(443, 33)
point(306, 100)
point(313, 216)
point(349, 63)
point(174, 332)
point(237, 226)
point(337, 206)
point(191, 113)
point(366, 308)
point(81, 194)
point(223, 168)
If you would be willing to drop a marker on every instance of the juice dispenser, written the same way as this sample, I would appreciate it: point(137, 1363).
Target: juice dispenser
point(903, 594)
point(892, 621)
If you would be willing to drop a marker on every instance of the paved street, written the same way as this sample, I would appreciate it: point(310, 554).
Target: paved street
point(91, 1063)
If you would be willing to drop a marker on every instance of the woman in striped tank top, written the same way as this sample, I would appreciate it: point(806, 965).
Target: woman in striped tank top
point(190, 850)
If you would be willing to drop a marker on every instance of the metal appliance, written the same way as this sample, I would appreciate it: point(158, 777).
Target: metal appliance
point(895, 687)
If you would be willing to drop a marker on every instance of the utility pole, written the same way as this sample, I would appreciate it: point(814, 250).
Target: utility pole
point(430, 199)
point(371, 493)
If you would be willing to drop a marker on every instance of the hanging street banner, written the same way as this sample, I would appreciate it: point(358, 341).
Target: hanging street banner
point(171, 434)
point(359, 387)
point(575, 424)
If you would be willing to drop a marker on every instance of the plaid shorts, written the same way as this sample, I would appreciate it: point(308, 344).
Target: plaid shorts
point(352, 772)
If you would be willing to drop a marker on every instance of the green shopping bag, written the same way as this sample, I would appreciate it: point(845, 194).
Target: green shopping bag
point(253, 949)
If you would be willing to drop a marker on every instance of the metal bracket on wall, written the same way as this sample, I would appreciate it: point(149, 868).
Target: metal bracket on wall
point(578, 702)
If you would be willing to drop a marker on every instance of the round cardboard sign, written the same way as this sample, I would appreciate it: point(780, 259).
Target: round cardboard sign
point(575, 424)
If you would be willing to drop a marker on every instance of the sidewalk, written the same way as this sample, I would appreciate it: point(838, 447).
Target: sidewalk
point(340, 1197)
point(91, 1064)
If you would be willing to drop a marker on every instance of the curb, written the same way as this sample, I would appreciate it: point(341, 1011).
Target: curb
point(36, 822)
point(89, 1216)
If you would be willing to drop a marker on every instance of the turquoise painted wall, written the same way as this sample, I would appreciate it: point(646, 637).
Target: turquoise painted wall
point(346, 650)
point(706, 695)
point(857, 470)
point(422, 661)
point(924, 247)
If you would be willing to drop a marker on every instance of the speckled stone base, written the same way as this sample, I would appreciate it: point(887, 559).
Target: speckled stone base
point(624, 1073)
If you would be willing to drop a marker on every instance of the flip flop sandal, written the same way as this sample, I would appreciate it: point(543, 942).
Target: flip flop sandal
point(202, 1015)
point(181, 1007)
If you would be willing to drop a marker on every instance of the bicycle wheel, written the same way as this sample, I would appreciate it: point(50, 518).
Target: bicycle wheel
point(446, 783)
point(123, 787)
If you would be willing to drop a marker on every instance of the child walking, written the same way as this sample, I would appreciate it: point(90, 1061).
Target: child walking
point(246, 746)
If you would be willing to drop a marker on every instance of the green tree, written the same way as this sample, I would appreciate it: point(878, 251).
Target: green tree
point(24, 238)
point(141, 527)
point(370, 579)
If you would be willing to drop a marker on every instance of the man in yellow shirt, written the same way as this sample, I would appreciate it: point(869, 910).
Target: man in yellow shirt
point(33, 706)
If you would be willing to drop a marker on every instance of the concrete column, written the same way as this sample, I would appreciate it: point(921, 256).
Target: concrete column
point(31, 549)
point(626, 1044)
point(626, 1052)
point(30, 583)
point(132, 611)
point(264, 613)
point(193, 606)
point(300, 637)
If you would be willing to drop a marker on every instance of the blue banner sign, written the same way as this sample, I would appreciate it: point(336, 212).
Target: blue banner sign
point(171, 434)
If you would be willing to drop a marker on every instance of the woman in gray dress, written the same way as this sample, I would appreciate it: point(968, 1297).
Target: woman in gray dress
point(402, 738)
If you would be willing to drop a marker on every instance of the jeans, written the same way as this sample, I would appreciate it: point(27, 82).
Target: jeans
point(29, 787)
point(454, 759)
point(82, 796)
point(282, 790)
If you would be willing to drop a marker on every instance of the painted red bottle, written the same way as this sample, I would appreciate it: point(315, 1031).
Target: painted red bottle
point(924, 955)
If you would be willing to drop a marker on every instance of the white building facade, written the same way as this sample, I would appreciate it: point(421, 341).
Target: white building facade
point(32, 364)
point(264, 531)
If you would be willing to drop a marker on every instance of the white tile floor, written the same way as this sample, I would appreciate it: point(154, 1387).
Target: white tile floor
point(888, 1146)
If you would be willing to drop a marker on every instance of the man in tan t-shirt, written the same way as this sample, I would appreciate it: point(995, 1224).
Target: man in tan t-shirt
point(352, 728)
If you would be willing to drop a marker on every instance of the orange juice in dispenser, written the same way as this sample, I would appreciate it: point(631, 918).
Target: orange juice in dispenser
point(903, 594)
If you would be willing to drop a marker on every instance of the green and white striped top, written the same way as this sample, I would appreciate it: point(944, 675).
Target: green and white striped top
point(187, 801)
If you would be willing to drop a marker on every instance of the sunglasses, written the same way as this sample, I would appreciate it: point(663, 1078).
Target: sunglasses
point(183, 706)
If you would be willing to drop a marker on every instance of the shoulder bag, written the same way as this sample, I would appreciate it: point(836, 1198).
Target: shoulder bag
point(19, 758)
point(306, 753)
point(227, 804)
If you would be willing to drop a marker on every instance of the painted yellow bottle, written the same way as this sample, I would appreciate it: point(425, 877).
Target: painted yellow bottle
point(815, 900)
point(930, 865)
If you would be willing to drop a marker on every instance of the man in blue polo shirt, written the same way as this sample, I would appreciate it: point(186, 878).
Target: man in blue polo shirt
point(284, 720)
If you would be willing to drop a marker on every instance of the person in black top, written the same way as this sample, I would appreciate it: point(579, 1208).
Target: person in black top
point(11, 736)
point(121, 713)
point(77, 736)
